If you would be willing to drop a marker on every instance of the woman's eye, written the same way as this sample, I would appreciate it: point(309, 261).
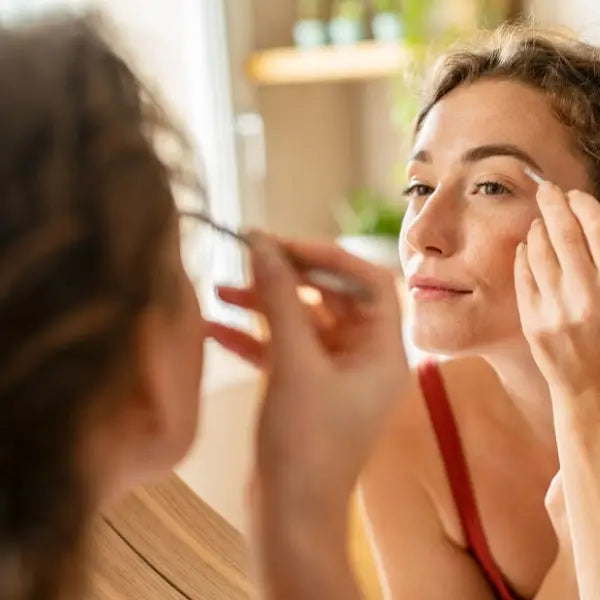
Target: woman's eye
point(492, 188)
point(417, 190)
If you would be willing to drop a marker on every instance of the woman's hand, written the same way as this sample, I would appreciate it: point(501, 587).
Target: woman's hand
point(557, 277)
point(335, 369)
point(557, 511)
point(334, 373)
point(561, 580)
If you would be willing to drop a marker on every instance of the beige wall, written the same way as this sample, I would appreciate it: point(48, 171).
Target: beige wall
point(218, 466)
point(273, 22)
point(380, 144)
point(321, 139)
point(312, 155)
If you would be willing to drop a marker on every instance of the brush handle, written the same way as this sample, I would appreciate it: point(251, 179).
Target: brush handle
point(533, 175)
point(320, 278)
point(328, 280)
point(331, 281)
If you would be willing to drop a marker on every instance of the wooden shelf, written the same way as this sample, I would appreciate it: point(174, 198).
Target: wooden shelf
point(366, 60)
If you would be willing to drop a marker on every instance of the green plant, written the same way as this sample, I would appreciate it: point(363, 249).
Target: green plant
point(416, 15)
point(309, 10)
point(352, 10)
point(387, 6)
point(367, 212)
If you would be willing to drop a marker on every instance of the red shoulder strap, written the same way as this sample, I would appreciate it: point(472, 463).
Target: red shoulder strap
point(446, 431)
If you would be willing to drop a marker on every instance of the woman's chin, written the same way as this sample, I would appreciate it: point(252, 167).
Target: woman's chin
point(451, 342)
point(456, 341)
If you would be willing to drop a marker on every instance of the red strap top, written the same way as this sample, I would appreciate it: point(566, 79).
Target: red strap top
point(457, 470)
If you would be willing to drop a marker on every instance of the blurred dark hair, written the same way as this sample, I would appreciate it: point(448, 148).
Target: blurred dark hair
point(85, 206)
point(565, 69)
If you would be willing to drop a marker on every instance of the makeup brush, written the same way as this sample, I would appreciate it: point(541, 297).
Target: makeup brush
point(533, 175)
point(320, 278)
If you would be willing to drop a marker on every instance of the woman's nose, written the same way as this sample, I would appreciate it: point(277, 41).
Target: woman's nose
point(434, 227)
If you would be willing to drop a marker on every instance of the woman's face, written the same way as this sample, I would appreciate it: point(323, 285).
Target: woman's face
point(471, 204)
point(157, 425)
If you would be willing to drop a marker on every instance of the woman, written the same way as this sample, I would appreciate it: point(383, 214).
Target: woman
point(101, 343)
point(455, 489)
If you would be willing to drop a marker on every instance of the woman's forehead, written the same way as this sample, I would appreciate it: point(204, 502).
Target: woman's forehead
point(492, 112)
point(502, 113)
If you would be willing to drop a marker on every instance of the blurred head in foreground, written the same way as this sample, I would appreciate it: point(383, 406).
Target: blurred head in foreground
point(101, 333)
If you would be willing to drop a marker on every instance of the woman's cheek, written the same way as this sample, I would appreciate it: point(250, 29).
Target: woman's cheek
point(519, 230)
point(503, 258)
point(403, 249)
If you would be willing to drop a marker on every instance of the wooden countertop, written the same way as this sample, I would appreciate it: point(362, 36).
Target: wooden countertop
point(163, 542)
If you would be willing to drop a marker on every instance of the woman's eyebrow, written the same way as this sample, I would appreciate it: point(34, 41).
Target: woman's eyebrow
point(481, 152)
point(486, 151)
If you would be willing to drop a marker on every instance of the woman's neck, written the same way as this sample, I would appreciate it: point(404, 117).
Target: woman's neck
point(525, 386)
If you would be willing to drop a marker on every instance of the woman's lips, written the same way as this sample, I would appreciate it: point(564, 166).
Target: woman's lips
point(427, 288)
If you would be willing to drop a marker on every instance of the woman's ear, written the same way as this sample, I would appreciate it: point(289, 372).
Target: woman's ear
point(164, 423)
point(139, 433)
point(151, 378)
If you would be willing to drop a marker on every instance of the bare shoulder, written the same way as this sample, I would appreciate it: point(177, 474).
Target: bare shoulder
point(466, 377)
point(408, 453)
point(408, 504)
point(409, 437)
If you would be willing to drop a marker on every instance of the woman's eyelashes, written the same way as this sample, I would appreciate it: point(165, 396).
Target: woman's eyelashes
point(417, 190)
point(492, 188)
point(488, 187)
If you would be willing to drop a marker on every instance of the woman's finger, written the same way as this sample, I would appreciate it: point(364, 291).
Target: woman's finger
point(329, 256)
point(240, 343)
point(337, 305)
point(381, 319)
point(586, 209)
point(240, 297)
point(383, 309)
point(255, 351)
point(525, 287)
point(564, 232)
point(542, 262)
point(247, 298)
point(294, 339)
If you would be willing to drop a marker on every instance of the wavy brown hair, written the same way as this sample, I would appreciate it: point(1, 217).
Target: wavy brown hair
point(564, 69)
point(85, 205)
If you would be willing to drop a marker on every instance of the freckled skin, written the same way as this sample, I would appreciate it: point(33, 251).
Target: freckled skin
point(463, 224)
point(462, 233)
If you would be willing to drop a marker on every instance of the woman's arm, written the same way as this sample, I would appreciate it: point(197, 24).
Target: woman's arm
point(557, 275)
point(577, 423)
point(330, 389)
point(300, 553)
point(560, 582)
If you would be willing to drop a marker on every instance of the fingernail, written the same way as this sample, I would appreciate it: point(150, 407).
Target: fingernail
point(546, 187)
point(552, 187)
point(537, 222)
